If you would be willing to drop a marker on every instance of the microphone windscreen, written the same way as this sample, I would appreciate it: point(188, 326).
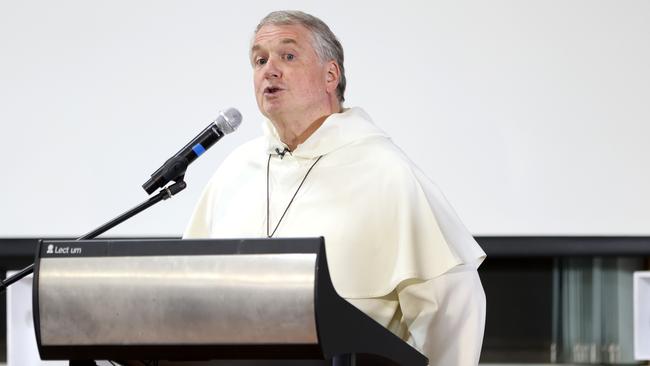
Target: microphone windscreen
point(228, 120)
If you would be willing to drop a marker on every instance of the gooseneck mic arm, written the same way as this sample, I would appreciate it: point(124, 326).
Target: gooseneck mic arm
point(164, 194)
point(172, 170)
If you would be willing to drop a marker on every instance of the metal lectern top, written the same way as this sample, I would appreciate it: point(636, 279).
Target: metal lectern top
point(199, 300)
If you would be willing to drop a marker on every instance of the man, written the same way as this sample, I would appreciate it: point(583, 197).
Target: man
point(396, 249)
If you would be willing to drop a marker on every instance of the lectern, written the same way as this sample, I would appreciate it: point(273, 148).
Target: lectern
point(182, 300)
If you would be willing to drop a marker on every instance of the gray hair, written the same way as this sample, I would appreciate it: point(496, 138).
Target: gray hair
point(325, 43)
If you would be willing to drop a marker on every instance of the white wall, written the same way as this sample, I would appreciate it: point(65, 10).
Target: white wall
point(533, 116)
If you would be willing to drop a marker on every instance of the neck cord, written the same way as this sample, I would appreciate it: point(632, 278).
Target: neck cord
point(268, 195)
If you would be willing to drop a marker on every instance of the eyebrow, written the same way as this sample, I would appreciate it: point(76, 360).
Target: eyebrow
point(288, 41)
point(283, 41)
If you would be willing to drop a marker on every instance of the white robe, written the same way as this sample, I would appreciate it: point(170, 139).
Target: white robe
point(395, 247)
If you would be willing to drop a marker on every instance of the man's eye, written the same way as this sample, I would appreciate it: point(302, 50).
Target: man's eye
point(290, 57)
point(260, 61)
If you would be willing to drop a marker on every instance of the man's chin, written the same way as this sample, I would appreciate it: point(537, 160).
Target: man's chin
point(273, 112)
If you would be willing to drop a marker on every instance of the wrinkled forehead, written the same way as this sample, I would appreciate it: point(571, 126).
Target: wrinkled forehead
point(282, 41)
point(273, 35)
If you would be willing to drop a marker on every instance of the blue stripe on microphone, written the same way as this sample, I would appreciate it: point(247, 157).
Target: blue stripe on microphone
point(198, 149)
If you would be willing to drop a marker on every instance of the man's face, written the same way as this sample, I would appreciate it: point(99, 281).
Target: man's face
point(291, 82)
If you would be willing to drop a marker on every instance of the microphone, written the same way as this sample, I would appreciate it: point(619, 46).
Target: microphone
point(174, 168)
point(281, 153)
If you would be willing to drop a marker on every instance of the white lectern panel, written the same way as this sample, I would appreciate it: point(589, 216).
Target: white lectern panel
point(21, 340)
point(642, 315)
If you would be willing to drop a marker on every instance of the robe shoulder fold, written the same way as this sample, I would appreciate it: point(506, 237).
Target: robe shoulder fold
point(395, 225)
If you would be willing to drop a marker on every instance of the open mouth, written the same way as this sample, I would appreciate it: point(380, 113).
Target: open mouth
point(271, 90)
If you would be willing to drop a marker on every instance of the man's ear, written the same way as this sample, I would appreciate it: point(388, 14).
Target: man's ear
point(333, 76)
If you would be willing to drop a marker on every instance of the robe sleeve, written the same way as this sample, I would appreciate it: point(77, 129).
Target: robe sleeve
point(445, 316)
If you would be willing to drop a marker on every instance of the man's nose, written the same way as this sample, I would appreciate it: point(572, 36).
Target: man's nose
point(271, 70)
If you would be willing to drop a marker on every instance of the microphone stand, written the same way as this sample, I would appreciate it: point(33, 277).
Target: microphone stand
point(163, 194)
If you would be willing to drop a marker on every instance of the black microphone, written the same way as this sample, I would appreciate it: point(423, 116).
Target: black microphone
point(174, 168)
point(281, 153)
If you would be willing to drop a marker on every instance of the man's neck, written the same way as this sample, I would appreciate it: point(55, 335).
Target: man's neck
point(293, 135)
point(294, 132)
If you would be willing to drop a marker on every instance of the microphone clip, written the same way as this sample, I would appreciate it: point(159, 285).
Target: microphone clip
point(173, 170)
point(282, 152)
